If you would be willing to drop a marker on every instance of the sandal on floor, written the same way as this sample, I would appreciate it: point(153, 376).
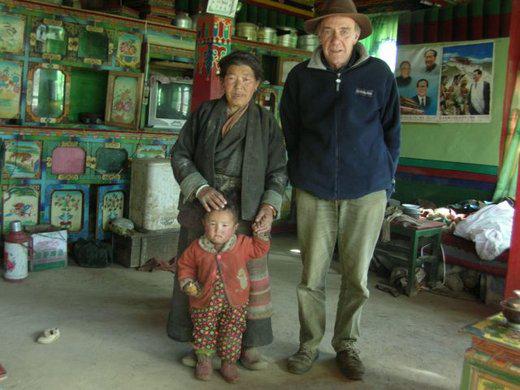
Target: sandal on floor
point(49, 336)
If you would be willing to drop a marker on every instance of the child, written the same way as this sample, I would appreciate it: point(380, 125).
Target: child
point(213, 272)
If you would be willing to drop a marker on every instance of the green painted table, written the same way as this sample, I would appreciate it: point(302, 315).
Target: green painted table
point(426, 232)
point(493, 361)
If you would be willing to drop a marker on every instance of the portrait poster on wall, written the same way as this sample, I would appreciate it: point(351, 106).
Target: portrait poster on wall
point(466, 83)
point(418, 75)
point(445, 83)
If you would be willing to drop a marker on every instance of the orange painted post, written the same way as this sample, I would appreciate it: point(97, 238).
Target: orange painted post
point(213, 43)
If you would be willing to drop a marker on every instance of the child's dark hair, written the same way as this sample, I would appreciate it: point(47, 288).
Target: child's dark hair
point(230, 207)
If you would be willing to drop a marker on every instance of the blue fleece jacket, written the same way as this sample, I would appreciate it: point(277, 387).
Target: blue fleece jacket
point(342, 129)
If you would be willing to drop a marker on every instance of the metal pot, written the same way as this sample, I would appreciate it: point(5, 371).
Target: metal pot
point(267, 35)
point(247, 31)
point(511, 310)
point(288, 37)
point(182, 20)
point(308, 42)
point(194, 19)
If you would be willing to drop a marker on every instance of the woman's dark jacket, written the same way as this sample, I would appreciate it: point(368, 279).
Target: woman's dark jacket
point(264, 175)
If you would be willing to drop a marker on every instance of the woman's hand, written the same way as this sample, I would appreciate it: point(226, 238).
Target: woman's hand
point(264, 219)
point(211, 199)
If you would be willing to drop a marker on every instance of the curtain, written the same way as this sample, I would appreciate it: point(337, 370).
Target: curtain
point(382, 42)
point(507, 179)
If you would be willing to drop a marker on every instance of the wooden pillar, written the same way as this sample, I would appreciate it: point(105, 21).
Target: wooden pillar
point(513, 265)
point(213, 43)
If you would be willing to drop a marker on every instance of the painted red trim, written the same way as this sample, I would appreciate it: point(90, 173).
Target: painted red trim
point(513, 264)
point(513, 60)
point(447, 173)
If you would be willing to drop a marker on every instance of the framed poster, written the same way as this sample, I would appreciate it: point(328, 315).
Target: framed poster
point(446, 83)
point(466, 83)
point(284, 67)
point(418, 71)
point(12, 29)
point(124, 95)
point(10, 89)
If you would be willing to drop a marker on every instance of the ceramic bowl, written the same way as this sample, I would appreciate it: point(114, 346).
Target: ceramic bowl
point(511, 313)
point(411, 206)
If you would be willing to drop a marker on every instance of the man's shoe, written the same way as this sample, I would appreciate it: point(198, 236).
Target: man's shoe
point(350, 364)
point(252, 359)
point(203, 369)
point(301, 361)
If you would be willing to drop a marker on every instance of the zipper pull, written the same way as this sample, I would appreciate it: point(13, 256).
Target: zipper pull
point(338, 81)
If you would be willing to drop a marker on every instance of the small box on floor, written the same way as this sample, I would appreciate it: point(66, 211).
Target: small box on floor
point(48, 247)
point(136, 248)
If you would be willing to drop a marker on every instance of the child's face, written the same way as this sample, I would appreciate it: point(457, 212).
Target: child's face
point(219, 226)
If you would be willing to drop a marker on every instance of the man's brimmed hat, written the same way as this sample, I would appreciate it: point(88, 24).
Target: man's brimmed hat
point(325, 8)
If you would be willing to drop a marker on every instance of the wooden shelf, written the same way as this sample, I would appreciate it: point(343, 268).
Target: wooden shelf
point(171, 64)
point(270, 4)
point(289, 51)
point(102, 17)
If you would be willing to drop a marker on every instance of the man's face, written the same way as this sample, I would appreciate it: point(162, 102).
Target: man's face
point(429, 59)
point(405, 69)
point(476, 76)
point(422, 88)
point(337, 36)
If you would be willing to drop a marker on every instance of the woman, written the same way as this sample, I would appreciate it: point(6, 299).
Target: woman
point(231, 146)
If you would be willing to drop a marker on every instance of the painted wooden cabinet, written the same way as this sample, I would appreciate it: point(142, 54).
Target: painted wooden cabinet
point(74, 95)
point(493, 361)
point(71, 114)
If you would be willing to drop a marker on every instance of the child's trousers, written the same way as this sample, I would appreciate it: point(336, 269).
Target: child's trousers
point(219, 327)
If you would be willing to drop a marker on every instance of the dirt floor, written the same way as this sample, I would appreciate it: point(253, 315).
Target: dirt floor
point(113, 321)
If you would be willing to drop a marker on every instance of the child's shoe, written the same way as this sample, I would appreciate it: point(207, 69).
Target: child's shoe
point(204, 368)
point(229, 371)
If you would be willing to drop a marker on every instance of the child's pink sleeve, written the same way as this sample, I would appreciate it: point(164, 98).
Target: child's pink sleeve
point(187, 266)
point(258, 246)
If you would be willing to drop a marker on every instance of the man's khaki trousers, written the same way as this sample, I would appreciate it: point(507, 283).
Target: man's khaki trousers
point(355, 224)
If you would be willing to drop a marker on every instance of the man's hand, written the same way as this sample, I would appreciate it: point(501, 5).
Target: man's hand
point(211, 199)
point(264, 219)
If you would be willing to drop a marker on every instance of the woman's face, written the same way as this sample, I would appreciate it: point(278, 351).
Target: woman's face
point(239, 85)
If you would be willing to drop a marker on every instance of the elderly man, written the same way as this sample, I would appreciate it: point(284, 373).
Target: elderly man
point(479, 93)
point(422, 100)
point(340, 116)
point(430, 56)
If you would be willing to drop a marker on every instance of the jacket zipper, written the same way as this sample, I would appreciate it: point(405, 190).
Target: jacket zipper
point(336, 173)
point(219, 270)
